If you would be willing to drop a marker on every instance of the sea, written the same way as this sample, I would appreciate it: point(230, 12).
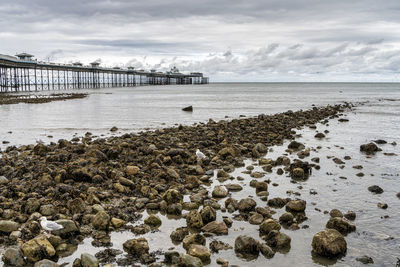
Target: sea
point(334, 186)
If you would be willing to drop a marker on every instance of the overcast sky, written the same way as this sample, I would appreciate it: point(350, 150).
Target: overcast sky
point(229, 40)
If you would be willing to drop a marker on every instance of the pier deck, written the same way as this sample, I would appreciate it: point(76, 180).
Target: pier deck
point(23, 74)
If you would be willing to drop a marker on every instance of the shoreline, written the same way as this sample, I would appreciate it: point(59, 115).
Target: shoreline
point(9, 99)
point(150, 170)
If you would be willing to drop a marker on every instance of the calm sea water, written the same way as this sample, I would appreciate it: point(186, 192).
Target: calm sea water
point(134, 109)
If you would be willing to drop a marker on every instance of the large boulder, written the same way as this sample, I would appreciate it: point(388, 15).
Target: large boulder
point(88, 260)
point(136, 247)
point(218, 228)
point(370, 148)
point(329, 243)
point(341, 225)
point(13, 257)
point(268, 225)
point(208, 214)
point(38, 248)
point(153, 220)
point(7, 226)
point(219, 191)
point(69, 227)
point(194, 219)
point(172, 196)
point(200, 252)
point(247, 245)
point(101, 220)
point(186, 260)
point(278, 240)
point(198, 239)
point(46, 263)
point(296, 205)
point(247, 204)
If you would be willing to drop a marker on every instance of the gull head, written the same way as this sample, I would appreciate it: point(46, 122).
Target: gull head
point(42, 219)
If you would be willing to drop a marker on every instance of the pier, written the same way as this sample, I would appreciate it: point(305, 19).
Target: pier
point(22, 73)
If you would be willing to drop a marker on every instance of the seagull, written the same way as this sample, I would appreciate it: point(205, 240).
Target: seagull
point(49, 225)
point(200, 155)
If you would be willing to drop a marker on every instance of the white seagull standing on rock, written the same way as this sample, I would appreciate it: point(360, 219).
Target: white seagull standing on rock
point(49, 225)
point(200, 155)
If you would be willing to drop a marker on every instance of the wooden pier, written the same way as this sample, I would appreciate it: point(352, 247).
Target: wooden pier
point(24, 74)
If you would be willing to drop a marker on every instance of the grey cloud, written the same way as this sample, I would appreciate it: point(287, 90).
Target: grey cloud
point(303, 36)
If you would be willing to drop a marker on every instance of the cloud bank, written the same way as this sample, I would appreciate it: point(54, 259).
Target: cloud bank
point(259, 40)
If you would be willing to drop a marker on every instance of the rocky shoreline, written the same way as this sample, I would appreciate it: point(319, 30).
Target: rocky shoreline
point(96, 186)
point(8, 99)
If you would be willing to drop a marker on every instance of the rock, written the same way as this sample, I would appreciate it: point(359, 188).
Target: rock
point(38, 248)
point(297, 173)
point(266, 251)
point(287, 217)
point(172, 196)
point(3, 180)
point(246, 205)
point(179, 234)
point(375, 189)
point(200, 252)
point(340, 225)
point(46, 263)
point(193, 239)
point(256, 219)
point(88, 260)
point(234, 187)
point(76, 205)
point(295, 145)
point(101, 221)
point(132, 170)
point(153, 220)
point(277, 202)
point(189, 261)
point(47, 210)
point(336, 213)
point(13, 257)
point(216, 246)
point(171, 257)
point(8, 226)
point(208, 214)
point(194, 220)
point(219, 191)
point(329, 243)
point(398, 195)
point(246, 245)
point(117, 223)
point(382, 205)
point(113, 129)
point(268, 225)
point(218, 228)
point(136, 247)
point(277, 240)
point(69, 227)
point(261, 148)
point(222, 262)
point(319, 135)
point(32, 205)
point(188, 108)
point(370, 148)
point(296, 205)
point(365, 259)
point(350, 215)
point(261, 186)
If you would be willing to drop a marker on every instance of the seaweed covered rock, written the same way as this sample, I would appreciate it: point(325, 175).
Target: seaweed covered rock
point(329, 243)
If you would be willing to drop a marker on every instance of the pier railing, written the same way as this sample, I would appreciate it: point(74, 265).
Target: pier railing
point(25, 75)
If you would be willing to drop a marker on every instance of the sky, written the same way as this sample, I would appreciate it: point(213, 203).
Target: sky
point(228, 40)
